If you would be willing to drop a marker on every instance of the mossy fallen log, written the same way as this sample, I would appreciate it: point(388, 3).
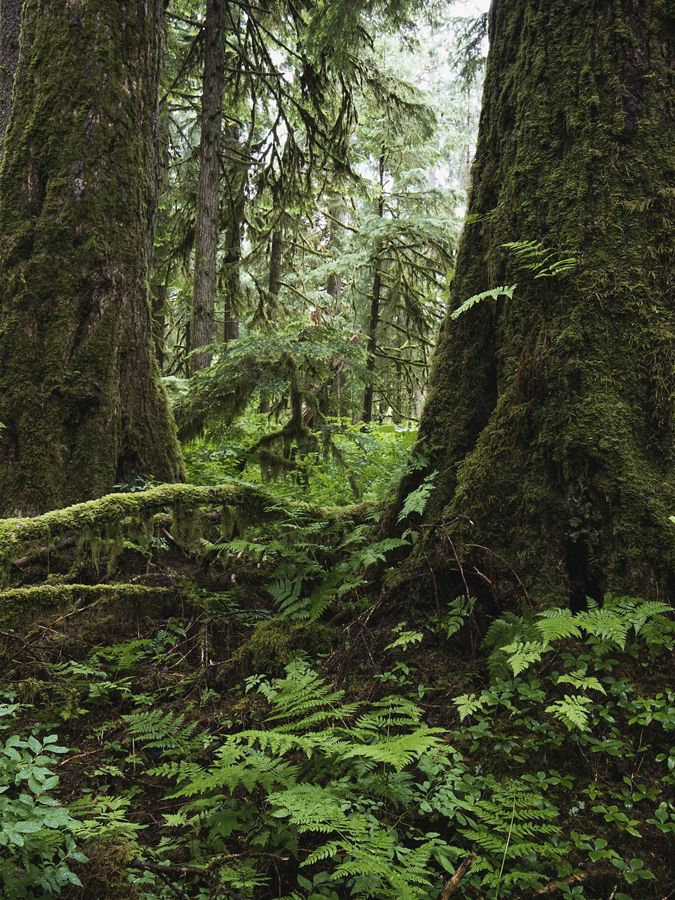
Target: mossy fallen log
point(114, 515)
point(56, 596)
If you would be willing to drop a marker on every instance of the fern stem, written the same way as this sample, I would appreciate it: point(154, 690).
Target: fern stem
point(506, 848)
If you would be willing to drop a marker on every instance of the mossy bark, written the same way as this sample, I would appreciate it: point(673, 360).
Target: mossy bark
point(550, 415)
point(80, 396)
point(10, 26)
point(202, 326)
point(235, 160)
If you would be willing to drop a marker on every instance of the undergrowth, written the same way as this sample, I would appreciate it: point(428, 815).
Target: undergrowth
point(268, 728)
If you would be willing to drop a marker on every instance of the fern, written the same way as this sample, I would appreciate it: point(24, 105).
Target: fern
point(573, 711)
point(582, 682)
point(405, 639)
point(492, 294)
point(558, 624)
point(521, 654)
point(377, 552)
point(154, 729)
point(535, 258)
point(416, 501)
point(468, 704)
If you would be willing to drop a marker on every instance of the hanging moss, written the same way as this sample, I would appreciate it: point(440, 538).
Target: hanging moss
point(116, 516)
point(80, 396)
point(550, 416)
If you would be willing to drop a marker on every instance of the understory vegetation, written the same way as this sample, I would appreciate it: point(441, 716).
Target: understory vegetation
point(253, 722)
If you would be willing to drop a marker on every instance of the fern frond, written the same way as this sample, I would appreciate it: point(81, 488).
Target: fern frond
point(492, 294)
point(573, 711)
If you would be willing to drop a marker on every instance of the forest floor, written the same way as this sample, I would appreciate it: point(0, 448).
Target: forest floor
point(260, 719)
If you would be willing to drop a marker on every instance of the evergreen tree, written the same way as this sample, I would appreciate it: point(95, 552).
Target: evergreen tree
point(80, 398)
point(550, 415)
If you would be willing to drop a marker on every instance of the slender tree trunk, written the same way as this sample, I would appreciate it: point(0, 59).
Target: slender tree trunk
point(10, 27)
point(374, 318)
point(373, 322)
point(80, 396)
point(236, 173)
point(550, 417)
point(275, 265)
point(334, 284)
point(159, 307)
point(202, 331)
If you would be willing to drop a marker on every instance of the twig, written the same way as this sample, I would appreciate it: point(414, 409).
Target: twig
point(554, 886)
point(452, 886)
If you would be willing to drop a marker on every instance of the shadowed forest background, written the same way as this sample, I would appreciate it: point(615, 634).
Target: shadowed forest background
point(337, 379)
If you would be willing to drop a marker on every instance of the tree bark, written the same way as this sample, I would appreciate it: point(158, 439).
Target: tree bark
point(10, 28)
point(550, 416)
point(160, 304)
point(202, 331)
point(236, 173)
point(80, 396)
point(371, 348)
point(375, 301)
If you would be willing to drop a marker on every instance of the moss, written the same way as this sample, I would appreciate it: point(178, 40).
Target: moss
point(80, 396)
point(115, 516)
point(276, 642)
point(17, 605)
point(550, 416)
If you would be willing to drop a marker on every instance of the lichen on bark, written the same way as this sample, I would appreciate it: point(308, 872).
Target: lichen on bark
point(80, 396)
point(550, 416)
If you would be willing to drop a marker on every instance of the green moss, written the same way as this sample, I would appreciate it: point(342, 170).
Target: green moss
point(19, 604)
point(550, 417)
point(276, 642)
point(111, 518)
point(80, 394)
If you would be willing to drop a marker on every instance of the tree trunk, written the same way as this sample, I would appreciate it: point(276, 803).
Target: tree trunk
point(236, 174)
point(202, 331)
point(80, 396)
point(373, 322)
point(160, 304)
point(275, 265)
point(550, 415)
point(375, 301)
point(10, 27)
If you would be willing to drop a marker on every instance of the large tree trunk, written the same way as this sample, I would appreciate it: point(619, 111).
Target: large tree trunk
point(80, 396)
point(10, 27)
point(202, 331)
point(550, 415)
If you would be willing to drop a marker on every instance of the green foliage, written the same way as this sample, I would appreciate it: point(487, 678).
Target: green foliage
point(37, 832)
point(322, 765)
point(416, 501)
point(492, 294)
point(534, 258)
point(358, 794)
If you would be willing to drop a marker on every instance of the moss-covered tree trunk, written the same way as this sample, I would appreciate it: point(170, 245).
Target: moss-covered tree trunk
point(202, 330)
point(550, 415)
point(80, 396)
point(235, 155)
point(10, 26)
point(375, 304)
